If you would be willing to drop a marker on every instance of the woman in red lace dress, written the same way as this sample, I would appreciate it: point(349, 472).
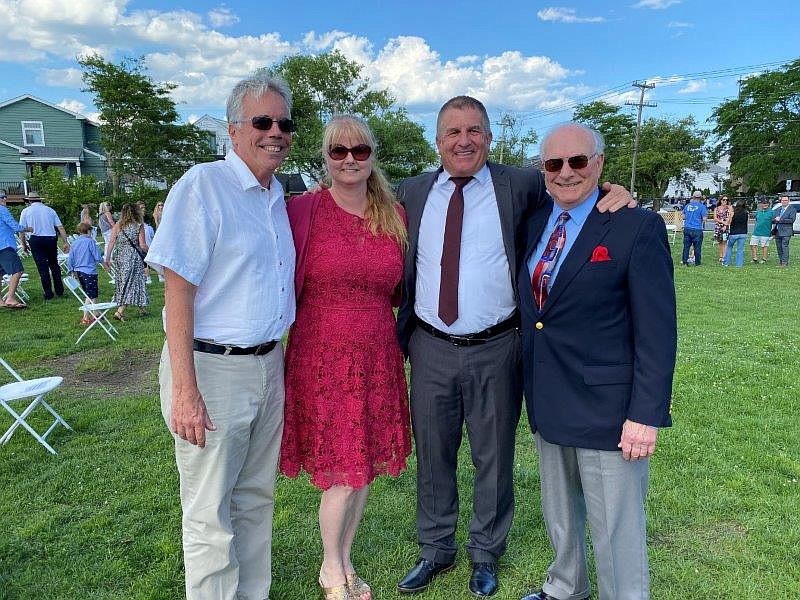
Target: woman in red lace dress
point(346, 416)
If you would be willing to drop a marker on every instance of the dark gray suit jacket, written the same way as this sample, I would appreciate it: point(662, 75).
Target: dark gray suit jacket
point(785, 225)
point(517, 191)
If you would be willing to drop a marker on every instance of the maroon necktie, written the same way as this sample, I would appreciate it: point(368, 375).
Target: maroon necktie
point(451, 253)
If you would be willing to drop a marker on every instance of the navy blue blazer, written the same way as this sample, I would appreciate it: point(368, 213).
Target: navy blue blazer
point(602, 349)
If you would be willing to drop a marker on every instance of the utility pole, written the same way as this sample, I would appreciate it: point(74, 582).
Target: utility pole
point(642, 85)
point(506, 121)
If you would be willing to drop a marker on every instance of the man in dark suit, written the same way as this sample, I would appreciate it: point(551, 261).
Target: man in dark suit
point(783, 222)
point(599, 341)
point(458, 324)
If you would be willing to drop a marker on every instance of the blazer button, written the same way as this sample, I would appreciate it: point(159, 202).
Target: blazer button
point(539, 325)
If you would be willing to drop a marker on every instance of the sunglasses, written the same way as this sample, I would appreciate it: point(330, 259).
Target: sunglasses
point(554, 165)
point(359, 152)
point(264, 123)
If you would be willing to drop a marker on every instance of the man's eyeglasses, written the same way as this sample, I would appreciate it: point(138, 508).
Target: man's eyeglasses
point(580, 161)
point(359, 152)
point(264, 123)
point(3, 196)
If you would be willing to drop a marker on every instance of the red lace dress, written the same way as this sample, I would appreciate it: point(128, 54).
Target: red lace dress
point(346, 416)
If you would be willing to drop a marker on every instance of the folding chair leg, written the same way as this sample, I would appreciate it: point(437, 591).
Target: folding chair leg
point(20, 420)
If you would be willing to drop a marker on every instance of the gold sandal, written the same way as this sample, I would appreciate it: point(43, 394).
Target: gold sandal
point(358, 587)
point(337, 592)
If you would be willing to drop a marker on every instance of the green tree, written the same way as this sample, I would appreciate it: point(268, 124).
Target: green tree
point(63, 195)
point(139, 129)
point(511, 145)
point(327, 84)
point(760, 129)
point(667, 150)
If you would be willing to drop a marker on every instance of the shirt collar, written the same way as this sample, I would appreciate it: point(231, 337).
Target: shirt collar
point(577, 214)
point(482, 176)
point(243, 172)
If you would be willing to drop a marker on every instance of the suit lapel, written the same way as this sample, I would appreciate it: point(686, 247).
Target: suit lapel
point(505, 207)
point(592, 233)
point(414, 202)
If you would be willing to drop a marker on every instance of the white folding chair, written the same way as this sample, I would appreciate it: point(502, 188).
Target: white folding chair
point(62, 257)
point(96, 310)
point(30, 388)
point(20, 293)
point(672, 231)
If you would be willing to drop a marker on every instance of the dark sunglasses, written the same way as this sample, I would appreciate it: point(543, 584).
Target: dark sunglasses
point(554, 165)
point(264, 123)
point(359, 152)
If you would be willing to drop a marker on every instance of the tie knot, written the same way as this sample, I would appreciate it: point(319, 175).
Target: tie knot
point(563, 217)
point(461, 181)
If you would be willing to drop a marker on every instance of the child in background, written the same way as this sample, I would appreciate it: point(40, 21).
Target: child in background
point(82, 262)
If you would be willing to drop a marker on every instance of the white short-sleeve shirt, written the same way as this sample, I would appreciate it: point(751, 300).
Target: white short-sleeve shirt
point(41, 218)
point(225, 233)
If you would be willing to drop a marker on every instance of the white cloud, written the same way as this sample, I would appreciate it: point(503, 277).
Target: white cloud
point(655, 4)
point(698, 85)
point(222, 16)
point(181, 47)
point(75, 106)
point(565, 15)
point(680, 25)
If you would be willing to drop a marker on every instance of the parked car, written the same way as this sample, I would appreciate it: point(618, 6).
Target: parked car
point(796, 204)
point(665, 206)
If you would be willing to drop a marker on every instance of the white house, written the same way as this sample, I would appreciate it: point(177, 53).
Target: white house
point(221, 142)
point(713, 179)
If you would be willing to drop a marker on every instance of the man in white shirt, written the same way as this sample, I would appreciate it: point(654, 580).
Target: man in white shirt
point(226, 251)
point(44, 223)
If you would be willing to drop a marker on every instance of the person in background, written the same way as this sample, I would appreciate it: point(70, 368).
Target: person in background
point(45, 223)
point(783, 224)
point(694, 219)
point(157, 212)
point(761, 231)
point(82, 263)
point(352, 425)
point(106, 221)
point(149, 232)
point(737, 234)
point(723, 213)
point(10, 264)
point(125, 249)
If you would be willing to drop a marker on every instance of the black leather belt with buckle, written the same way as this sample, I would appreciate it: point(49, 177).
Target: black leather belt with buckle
point(471, 339)
point(259, 350)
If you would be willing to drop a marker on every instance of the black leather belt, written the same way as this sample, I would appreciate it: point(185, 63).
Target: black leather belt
point(471, 339)
point(264, 348)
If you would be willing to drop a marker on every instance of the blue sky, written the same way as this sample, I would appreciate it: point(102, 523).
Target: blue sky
point(532, 59)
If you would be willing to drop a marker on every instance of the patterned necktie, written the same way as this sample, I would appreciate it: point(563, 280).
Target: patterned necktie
point(544, 268)
point(451, 253)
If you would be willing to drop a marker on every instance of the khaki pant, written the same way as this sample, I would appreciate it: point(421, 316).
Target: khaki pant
point(227, 488)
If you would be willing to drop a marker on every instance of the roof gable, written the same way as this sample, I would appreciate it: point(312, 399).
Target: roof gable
point(78, 116)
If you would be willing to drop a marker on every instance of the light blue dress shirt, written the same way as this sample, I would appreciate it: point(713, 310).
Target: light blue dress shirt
point(577, 217)
point(8, 229)
point(84, 255)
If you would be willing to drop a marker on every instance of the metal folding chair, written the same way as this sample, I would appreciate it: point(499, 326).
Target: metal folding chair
point(29, 388)
point(21, 294)
point(96, 310)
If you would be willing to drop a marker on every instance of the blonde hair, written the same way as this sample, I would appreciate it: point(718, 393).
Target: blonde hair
point(104, 208)
point(129, 214)
point(381, 213)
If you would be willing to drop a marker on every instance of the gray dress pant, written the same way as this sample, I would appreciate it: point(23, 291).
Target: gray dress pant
point(600, 484)
point(782, 244)
point(450, 385)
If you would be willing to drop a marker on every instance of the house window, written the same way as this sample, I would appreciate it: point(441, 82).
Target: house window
point(32, 133)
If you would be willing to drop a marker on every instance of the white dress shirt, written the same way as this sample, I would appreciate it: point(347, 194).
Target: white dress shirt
point(485, 295)
point(227, 234)
point(41, 218)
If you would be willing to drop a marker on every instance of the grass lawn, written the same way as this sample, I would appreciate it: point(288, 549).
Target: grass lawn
point(101, 519)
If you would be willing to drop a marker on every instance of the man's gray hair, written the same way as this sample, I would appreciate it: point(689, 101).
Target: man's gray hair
point(256, 85)
point(462, 103)
point(599, 142)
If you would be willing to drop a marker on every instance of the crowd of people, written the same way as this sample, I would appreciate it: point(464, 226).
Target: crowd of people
point(125, 243)
point(731, 230)
point(505, 279)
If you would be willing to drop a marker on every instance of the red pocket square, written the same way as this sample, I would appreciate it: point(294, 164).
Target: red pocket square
point(600, 254)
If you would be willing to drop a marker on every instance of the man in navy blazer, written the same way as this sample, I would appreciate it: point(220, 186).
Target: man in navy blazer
point(599, 341)
point(783, 222)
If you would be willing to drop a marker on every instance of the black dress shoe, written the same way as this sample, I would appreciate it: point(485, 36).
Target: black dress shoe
point(484, 579)
point(421, 575)
point(540, 595)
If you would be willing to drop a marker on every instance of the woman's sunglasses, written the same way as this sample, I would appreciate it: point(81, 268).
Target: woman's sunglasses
point(554, 165)
point(359, 152)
